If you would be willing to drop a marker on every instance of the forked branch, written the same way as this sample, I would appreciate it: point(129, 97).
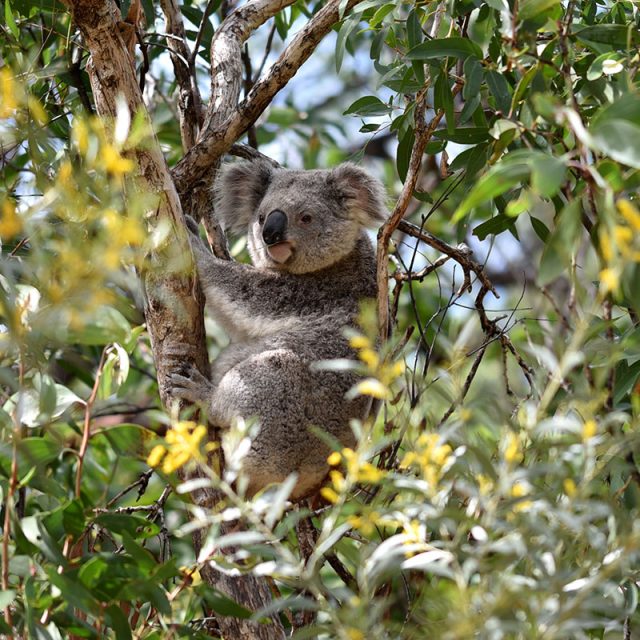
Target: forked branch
point(219, 134)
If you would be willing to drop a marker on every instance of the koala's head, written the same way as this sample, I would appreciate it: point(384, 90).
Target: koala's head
point(298, 221)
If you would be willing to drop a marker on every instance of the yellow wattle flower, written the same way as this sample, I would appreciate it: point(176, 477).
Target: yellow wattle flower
point(359, 342)
point(609, 280)
point(630, 213)
point(156, 455)
point(114, 163)
point(589, 430)
point(374, 388)
point(10, 223)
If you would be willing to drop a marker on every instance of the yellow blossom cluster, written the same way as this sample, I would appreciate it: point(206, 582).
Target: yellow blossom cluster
point(11, 94)
point(356, 470)
point(98, 150)
point(589, 430)
point(431, 456)
point(619, 245)
point(82, 230)
point(10, 223)
point(512, 450)
point(365, 522)
point(93, 230)
point(380, 372)
point(183, 445)
point(570, 487)
point(520, 490)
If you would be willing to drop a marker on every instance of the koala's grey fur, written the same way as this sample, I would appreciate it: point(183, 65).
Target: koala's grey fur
point(288, 311)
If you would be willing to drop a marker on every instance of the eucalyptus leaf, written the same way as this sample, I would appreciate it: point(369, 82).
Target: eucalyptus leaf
point(440, 48)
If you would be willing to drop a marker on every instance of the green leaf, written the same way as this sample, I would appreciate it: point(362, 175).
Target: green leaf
point(283, 116)
point(73, 519)
point(224, 605)
point(443, 47)
point(547, 175)
point(541, 229)
point(377, 44)
point(423, 196)
point(38, 451)
point(6, 598)
point(414, 29)
point(368, 106)
point(619, 139)
point(499, 179)
point(443, 99)
point(282, 26)
point(615, 35)
point(47, 388)
point(403, 153)
point(556, 257)
point(143, 558)
point(502, 126)
point(135, 526)
point(494, 226)
point(599, 65)
point(107, 325)
point(531, 8)
point(341, 42)
point(465, 135)
point(116, 620)
point(473, 74)
point(625, 107)
point(523, 85)
point(10, 20)
point(35, 532)
point(72, 592)
point(381, 14)
point(626, 378)
point(499, 88)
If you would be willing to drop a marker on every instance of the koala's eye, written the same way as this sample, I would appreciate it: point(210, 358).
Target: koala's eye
point(261, 218)
point(305, 218)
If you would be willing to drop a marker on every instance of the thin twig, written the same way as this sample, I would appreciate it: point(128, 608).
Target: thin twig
point(141, 482)
point(86, 431)
point(465, 389)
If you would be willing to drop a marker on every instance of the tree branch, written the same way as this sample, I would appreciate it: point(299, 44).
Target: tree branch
point(189, 100)
point(215, 139)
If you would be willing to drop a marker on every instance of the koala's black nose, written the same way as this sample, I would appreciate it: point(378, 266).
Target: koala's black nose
point(275, 227)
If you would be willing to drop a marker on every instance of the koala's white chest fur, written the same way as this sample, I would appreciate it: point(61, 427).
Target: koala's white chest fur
point(288, 312)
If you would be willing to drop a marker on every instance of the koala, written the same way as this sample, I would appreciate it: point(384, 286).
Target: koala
point(313, 264)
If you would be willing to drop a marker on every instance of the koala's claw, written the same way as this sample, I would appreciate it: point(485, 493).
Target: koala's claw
point(189, 384)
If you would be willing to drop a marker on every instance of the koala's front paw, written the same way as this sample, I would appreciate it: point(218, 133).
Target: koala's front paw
point(187, 383)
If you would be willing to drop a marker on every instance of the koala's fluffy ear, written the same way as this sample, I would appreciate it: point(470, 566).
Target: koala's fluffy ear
point(365, 194)
point(238, 191)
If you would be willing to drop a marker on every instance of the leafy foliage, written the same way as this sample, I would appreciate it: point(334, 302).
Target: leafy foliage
point(497, 493)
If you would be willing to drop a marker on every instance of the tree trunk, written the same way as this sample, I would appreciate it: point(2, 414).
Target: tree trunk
point(173, 302)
